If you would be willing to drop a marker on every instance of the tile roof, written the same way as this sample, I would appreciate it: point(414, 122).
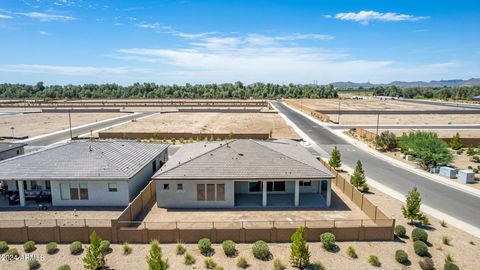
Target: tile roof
point(82, 160)
point(5, 146)
point(243, 159)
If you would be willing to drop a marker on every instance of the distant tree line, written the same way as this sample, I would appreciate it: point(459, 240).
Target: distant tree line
point(152, 90)
point(456, 92)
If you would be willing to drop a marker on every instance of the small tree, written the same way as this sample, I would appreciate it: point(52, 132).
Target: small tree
point(94, 258)
point(411, 210)
point(386, 140)
point(470, 151)
point(335, 161)
point(358, 178)
point(231, 136)
point(456, 142)
point(154, 259)
point(299, 253)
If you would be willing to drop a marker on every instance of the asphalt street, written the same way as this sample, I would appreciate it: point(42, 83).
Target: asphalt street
point(450, 201)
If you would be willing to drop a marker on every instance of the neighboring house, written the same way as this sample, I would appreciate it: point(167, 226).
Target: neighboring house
point(476, 98)
point(84, 172)
point(9, 150)
point(243, 173)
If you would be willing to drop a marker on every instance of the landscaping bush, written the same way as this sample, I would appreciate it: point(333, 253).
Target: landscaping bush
point(352, 253)
point(386, 140)
point(11, 254)
point(29, 246)
point(105, 246)
point(374, 261)
point(188, 259)
point(328, 241)
point(180, 249)
point(427, 147)
point(299, 253)
point(420, 248)
point(446, 240)
point(51, 248)
point(443, 223)
point(229, 248)
point(76, 248)
point(450, 266)
point(456, 143)
point(210, 263)
point(419, 235)
point(401, 256)
point(218, 268)
point(33, 264)
point(426, 264)
point(316, 266)
point(400, 231)
point(127, 249)
point(64, 267)
point(278, 265)
point(154, 258)
point(3, 247)
point(205, 246)
point(260, 250)
point(242, 263)
point(94, 259)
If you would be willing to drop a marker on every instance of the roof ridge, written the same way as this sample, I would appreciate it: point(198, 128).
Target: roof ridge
point(201, 155)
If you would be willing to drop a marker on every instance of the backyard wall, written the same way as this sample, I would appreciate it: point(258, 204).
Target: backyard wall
point(177, 136)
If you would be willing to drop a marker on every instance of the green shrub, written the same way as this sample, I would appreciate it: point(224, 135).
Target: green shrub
point(446, 240)
point(426, 264)
point(419, 235)
point(188, 259)
point(449, 258)
point(420, 248)
point(154, 257)
point(205, 246)
point(229, 248)
point(64, 267)
point(351, 252)
point(210, 263)
point(299, 253)
point(3, 247)
point(94, 259)
point(11, 254)
point(328, 241)
point(401, 256)
point(450, 266)
point(180, 249)
point(316, 266)
point(29, 246)
point(400, 231)
point(443, 223)
point(127, 249)
point(76, 248)
point(426, 146)
point(260, 250)
point(105, 246)
point(33, 264)
point(374, 261)
point(242, 263)
point(218, 268)
point(51, 248)
point(278, 265)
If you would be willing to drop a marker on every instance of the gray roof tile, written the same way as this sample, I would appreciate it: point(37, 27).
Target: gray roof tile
point(5, 146)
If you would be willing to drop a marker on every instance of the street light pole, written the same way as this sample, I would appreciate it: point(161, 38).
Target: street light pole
point(378, 120)
point(70, 123)
point(338, 116)
point(13, 132)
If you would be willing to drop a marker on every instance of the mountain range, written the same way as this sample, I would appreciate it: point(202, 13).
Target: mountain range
point(441, 83)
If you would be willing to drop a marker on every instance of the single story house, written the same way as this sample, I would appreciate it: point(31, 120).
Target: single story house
point(243, 173)
point(9, 150)
point(84, 172)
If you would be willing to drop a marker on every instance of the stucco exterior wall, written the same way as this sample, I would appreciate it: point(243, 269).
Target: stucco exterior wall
point(141, 179)
point(98, 194)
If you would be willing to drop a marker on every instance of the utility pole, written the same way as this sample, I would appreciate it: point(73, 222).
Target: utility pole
point(13, 132)
point(70, 122)
point(338, 116)
point(378, 120)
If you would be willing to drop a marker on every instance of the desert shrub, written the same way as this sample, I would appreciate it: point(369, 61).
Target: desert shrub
point(11, 254)
point(154, 257)
point(64, 267)
point(401, 256)
point(449, 258)
point(420, 248)
point(328, 241)
point(424, 220)
point(374, 261)
point(33, 264)
point(426, 264)
point(386, 140)
point(456, 143)
point(218, 268)
point(242, 263)
point(316, 266)
point(126, 248)
point(188, 259)
point(210, 263)
point(365, 188)
point(419, 235)
point(446, 240)
point(400, 231)
point(472, 243)
point(76, 247)
point(29, 246)
point(205, 246)
point(94, 259)
point(427, 147)
point(260, 250)
point(351, 252)
point(278, 265)
point(229, 248)
point(104, 246)
point(3, 247)
point(450, 266)
point(443, 223)
point(51, 248)
point(180, 249)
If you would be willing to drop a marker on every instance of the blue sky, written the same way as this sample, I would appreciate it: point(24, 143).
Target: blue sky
point(86, 41)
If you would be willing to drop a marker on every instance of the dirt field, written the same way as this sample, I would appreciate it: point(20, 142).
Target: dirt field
point(35, 124)
point(211, 123)
point(474, 133)
point(407, 119)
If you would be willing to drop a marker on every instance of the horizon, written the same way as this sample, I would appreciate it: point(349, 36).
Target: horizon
point(300, 42)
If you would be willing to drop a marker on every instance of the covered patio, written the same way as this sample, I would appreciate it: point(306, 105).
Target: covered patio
point(279, 200)
point(25, 193)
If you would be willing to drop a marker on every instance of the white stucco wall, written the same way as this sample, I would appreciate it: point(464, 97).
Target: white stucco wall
point(98, 194)
point(143, 177)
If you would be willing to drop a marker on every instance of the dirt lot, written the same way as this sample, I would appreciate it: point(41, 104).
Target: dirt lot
point(407, 119)
point(474, 133)
point(211, 123)
point(34, 124)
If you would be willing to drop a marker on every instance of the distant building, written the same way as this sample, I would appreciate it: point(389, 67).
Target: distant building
point(83, 173)
point(476, 98)
point(9, 150)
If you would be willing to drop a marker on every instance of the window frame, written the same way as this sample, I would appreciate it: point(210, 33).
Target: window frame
point(110, 189)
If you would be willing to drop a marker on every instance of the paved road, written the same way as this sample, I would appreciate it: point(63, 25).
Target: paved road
point(454, 127)
point(450, 201)
point(56, 137)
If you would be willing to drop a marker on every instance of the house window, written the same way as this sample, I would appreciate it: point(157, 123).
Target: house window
point(210, 192)
point(305, 183)
point(166, 186)
point(200, 192)
point(276, 186)
point(112, 187)
point(154, 166)
point(179, 186)
point(74, 191)
point(83, 191)
point(221, 192)
point(64, 192)
point(255, 186)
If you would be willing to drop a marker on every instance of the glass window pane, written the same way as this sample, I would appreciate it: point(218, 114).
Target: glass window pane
point(179, 186)
point(166, 186)
point(210, 192)
point(74, 192)
point(200, 192)
point(64, 192)
point(269, 186)
point(221, 192)
point(279, 186)
point(255, 186)
point(83, 191)
point(112, 187)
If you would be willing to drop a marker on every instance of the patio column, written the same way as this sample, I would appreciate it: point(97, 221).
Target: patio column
point(297, 193)
point(264, 193)
point(21, 193)
point(329, 192)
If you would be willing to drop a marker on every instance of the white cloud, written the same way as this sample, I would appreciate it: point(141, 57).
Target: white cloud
point(366, 16)
point(6, 17)
point(44, 33)
point(46, 17)
point(64, 70)
point(269, 40)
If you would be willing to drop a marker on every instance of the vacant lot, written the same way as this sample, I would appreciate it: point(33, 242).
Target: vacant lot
point(211, 123)
point(34, 124)
point(408, 119)
point(474, 133)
